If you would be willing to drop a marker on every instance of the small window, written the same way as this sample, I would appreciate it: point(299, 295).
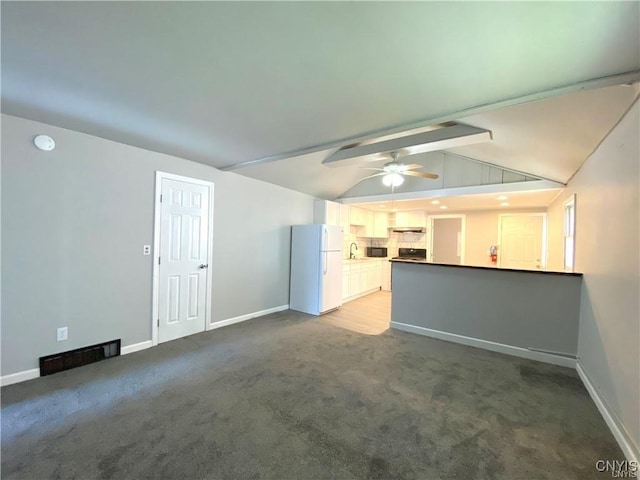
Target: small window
point(569, 234)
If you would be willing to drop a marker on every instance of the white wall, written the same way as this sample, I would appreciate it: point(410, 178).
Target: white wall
point(74, 221)
point(607, 252)
point(481, 231)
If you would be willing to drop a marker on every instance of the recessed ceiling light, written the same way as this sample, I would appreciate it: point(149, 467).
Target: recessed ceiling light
point(443, 207)
point(503, 197)
point(435, 202)
point(505, 204)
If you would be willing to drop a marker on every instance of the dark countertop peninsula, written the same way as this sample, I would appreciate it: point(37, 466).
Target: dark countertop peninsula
point(548, 272)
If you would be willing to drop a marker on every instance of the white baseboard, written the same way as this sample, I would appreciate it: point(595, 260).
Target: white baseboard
point(631, 452)
point(35, 372)
point(20, 376)
point(248, 316)
point(487, 345)
point(136, 347)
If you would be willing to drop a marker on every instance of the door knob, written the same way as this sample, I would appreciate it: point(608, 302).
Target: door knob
point(203, 265)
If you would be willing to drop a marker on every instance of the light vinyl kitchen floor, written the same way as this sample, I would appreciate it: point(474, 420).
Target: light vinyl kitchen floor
point(370, 315)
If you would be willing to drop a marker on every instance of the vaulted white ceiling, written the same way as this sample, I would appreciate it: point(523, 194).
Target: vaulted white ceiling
point(225, 83)
point(548, 138)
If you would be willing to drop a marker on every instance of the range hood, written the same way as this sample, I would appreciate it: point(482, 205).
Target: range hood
point(408, 229)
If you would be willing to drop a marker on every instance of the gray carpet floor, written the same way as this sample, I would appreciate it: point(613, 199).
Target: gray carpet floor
point(289, 397)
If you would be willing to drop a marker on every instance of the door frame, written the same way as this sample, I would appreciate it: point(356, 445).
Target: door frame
point(570, 202)
point(156, 250)
point(543, 251)
point(463, 233)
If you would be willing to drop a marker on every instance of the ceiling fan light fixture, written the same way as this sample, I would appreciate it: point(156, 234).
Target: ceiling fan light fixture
point(392, 179)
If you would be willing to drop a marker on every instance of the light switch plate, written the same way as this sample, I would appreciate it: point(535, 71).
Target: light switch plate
point(63, 334)
point(146, 249)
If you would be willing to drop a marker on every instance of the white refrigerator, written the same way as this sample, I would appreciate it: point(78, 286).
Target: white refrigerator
point(316, 268)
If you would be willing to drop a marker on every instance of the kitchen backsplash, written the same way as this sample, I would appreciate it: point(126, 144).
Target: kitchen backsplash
point(393, 243)
point(351, 237)
point(405, 240)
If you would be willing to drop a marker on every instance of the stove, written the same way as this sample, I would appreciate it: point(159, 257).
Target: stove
point(415, 254)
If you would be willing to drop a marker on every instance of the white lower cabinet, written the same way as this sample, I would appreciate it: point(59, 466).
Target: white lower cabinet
point(346, 280)
point(386, 275)
point(357, 283)
point(373, 277)
point(361, 277)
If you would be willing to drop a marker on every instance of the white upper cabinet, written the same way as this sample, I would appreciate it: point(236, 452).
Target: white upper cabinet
point(380, 225)
point(345, 212)
point(369, 224)
point(368, 220)
point(358, 216)
point(411, 219)
point(327, 212)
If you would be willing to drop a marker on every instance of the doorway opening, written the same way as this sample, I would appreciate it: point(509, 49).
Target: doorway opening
point(447, 239)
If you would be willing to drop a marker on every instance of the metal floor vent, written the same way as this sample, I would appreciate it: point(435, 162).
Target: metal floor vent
point(78, 357)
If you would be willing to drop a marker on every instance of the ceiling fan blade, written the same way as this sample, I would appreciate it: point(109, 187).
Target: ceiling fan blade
point(372, 168)
point(360, 180)
point(371, 176)
point(433, 176)
point(412, 166)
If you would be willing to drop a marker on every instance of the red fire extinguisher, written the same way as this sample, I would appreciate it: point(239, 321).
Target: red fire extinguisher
point(493, 253)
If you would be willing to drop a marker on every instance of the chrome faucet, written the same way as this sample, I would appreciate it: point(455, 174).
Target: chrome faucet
point(351, 254)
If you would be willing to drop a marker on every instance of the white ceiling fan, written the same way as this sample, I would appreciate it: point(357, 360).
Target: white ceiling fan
point(393, 172)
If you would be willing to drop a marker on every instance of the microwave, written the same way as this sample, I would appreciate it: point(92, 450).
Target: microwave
point(376, 251)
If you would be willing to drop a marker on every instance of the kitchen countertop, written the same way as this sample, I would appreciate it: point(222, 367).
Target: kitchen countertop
point(364, 259)
point(546, 272)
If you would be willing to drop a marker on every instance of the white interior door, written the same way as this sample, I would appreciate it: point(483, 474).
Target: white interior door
point(521, 242)
point(184, 258)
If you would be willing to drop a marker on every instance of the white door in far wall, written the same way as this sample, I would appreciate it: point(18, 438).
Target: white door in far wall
point(521, 241)
point(184, 258)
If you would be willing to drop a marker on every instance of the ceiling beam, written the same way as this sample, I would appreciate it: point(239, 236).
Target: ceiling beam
point(434, 140)
point(607, 81)
point(452, 192)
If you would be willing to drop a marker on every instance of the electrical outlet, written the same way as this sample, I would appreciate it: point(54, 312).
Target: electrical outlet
point(146, 249)
point(63, 333)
